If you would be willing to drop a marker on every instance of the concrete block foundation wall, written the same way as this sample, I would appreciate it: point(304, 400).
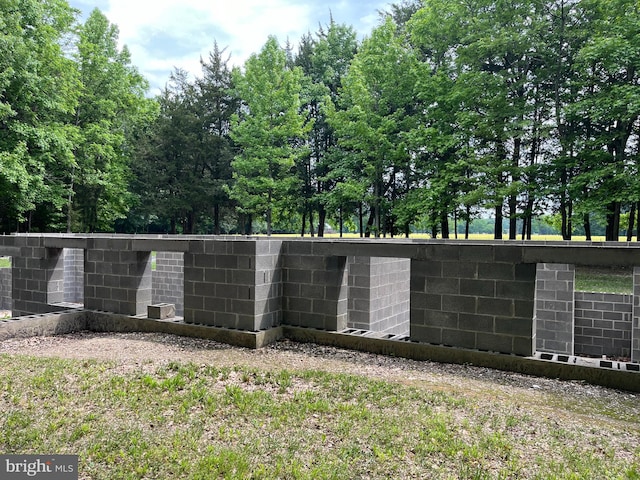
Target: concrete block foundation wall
point(168, 280)
point(315, 286)
point(5, 288)
point(473, 295)
point(635, 326)
point(554, 308)
point(603, 324)
point(74, 275)
point(378, 295)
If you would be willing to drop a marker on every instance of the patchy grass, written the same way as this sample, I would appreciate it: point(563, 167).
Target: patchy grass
point(604, 279)
point(200, 421)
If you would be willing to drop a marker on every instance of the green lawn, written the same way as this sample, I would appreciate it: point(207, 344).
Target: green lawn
point(5, 262)
point(202, 422)
point(605, 280)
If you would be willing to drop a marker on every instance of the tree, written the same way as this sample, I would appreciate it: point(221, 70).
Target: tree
point(186, 156)
point(217, 103)
point(377, 108)
point(112, 106)
point(267, 132)
point(324, 59)
point(38, 88)
point(608, 69)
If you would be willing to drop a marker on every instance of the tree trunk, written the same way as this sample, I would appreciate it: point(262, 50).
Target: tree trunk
point(322, 217)
point(513, 217)
point(361, 214)
point(341, 220)
point(370, 222)
point(638, 222)
point(216, 219)
point(632, 219)
point(587, 227)
point(564, 207)
point(304, 221)
point(497, 228)
point(444, 225)
point(613, 222)
point(467, 223)
point(269, 222)
point(70, 201)
point(455, 223)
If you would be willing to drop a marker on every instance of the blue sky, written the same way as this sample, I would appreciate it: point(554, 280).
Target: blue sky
point(163, 34)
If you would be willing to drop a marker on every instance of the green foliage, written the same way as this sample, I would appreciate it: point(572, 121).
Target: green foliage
point(268, 132)
point(38, 88)
point(376, 109)
point(446, 111)
point(111, 109)
point(186, 154)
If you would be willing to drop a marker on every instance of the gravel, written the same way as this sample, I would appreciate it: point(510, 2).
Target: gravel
point(133, 350)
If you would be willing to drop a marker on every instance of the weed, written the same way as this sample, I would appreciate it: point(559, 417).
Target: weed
point(197, 422)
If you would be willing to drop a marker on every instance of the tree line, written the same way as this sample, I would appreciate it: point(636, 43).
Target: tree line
point(450, 110)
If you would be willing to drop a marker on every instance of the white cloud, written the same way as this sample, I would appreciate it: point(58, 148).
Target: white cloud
point(191, 26)
point(163, 34)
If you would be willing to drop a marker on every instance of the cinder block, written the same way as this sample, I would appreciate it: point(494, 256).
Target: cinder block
point(459, 338)
point(496, 271)
point(476, 323)
point(495, 306)
point(443, 285)
point(483, 288)
point(437, 318)
point(459, 303)
point(161, 311)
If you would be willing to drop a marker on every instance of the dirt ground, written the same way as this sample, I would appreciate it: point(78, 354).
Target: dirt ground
point(136, 350)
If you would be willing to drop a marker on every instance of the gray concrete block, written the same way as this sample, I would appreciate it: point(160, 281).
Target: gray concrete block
point(437, 318)
point(483, 288)
point(495, 306)
point(459, 338)
point(426, 334)
point(442, 285)
point(476, 323)
point(459, 303)
point(496, 271)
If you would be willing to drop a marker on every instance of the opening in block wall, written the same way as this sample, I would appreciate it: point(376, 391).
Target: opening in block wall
point(379, 295)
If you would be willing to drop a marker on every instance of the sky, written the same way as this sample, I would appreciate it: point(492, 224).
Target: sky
point(164, 34)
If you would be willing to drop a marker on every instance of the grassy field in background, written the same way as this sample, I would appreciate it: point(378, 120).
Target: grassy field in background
point(201, 421)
